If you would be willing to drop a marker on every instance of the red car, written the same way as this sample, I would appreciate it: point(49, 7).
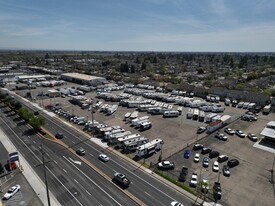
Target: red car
point(11, 165)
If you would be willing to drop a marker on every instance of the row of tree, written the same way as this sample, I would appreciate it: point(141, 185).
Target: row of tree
point(29, 117)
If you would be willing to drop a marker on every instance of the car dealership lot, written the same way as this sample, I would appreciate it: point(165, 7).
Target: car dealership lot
point(249, 182)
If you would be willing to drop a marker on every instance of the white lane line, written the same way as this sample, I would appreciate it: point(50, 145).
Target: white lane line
point(148, 194)
point(88, 193)
point(93, 182)
point(40, 161)
point(73, 142)
point(55, 162)
point(65, 171)
point(91, 154)
point(76, 181)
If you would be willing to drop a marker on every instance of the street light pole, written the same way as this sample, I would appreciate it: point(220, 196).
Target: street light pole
point(45, 176)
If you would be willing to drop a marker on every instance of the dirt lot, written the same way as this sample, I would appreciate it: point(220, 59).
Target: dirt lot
point(249, 183)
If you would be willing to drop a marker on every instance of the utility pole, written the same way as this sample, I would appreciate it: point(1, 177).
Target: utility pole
point(45, 176)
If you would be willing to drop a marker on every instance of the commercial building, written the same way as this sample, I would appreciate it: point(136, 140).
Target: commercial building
point(83, 79)
point(269, 131)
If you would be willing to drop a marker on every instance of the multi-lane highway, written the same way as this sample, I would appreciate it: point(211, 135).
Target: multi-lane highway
point(76, 184)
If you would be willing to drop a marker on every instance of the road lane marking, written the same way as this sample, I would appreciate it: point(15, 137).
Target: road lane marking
point(148, 194)
point(39, 160)
point(91, 154)
point(88, 193)
point(65, 171)
point(76, 181)
point(55, 162)
point(93, 181)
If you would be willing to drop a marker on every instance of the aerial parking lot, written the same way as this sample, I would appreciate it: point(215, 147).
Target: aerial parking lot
point(249, 183)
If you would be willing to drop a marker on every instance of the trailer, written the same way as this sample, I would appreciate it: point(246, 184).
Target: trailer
point(171, 113)
point(121, 140)
point(149, 148)
point(201, 116)
point(138, 124)
point(113, 138)
point(127, 116)
point(209, 117)
point(144, 107)
point(131, 145)
point(226, 119)
point(134, 115)
point(180, 110)
point(112, 109)
point(195, 114)
point(145, 125)
point(190, 113)
point(227, 102)
point(213, 126)
point(107, 135)
point(134, 122)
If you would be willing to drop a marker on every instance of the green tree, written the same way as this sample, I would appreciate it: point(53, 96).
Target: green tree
point(37, 122)
point(200, 71)
point(143, 66)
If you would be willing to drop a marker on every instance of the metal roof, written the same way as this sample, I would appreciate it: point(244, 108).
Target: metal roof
point(81, 76)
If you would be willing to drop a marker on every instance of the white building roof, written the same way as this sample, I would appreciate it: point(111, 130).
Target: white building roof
point(81, 76)
point(269, 130)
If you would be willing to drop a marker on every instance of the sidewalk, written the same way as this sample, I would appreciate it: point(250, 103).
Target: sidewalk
point(36, 183)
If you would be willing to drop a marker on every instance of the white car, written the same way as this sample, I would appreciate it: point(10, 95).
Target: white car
point(229, 131)
point(252, 137)
point(216, 166)
point(240, 133)
point(12, 191)
point(197, 157)
point(175, 203)
point(104, 157)
point(194, 180)
point(221, 136)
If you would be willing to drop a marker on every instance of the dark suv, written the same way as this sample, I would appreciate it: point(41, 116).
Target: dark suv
point(214, 154)
point(59, 135)
point(233, 163)
point(183, 174)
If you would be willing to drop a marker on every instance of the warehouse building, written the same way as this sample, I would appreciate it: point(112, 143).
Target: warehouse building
point(83, 79)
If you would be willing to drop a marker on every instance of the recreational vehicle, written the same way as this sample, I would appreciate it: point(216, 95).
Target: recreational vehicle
point(134, 122)
point(196, 114)
point(201, 116)
point(171, 114)
point(112, 109)
point(190, 113)
point(145, 125)
point(108, 135)
point(127, 116)
point(113, 138)
point(131, 145)
point(209, 117)
point(121, 140)
point(149, 148)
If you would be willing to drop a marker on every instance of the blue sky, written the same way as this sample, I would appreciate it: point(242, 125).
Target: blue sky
point(139, 25)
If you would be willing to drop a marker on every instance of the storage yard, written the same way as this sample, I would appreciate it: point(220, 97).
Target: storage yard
point(178, 132)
